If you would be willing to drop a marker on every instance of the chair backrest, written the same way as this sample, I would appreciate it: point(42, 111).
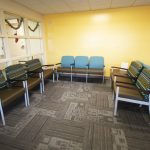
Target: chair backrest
point(67, 61)
point(96, 62)
point(3, 82)
point(81, 62)
point(33, 65)
point(143, 82)
point(135, 69)
point(15, 71)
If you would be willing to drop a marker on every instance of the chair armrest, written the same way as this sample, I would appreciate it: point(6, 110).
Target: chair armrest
point(123, 76)
point(22, 61)
point(72, 64)
point(58, 64)
point(52, 66)
point(49, 65)
point(18, 80)
point(35, 71)
point(113, 67)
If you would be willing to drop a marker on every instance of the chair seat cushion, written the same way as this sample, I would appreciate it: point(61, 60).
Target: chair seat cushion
point(65, 70)
point(9, 94)
point(96, 71)
point(80, 70)
point(129, 93)
point(33, 82)
point(47, 73)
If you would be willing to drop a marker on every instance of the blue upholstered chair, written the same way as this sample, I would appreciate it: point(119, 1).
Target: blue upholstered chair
point(81, 66)
point(96, 62)
point(81, 62)
point(96, 66)
point(67, 61)
point(66, 65)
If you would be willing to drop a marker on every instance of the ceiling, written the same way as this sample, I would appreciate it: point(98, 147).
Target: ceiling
point(62, 6)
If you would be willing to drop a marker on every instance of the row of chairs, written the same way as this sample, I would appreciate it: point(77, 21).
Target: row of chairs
point(131, 85)
point(19, 79)
point(81, 66)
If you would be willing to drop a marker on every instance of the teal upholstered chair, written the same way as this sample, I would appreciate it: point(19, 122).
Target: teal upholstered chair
point(81, 62)
point(81, 66)
point(67, 61)
point(96, 66)
point(66, 64)
point(96, 62)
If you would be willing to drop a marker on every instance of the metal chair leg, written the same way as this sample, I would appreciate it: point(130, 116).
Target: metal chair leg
point(53, 77)
point(43, 86)
point(25, 94)
point(86, 78)
point(57, 74)
point(2, 114)
point(116, 102)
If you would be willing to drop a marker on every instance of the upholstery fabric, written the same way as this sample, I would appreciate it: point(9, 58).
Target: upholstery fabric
point(67, 61)
point(48, 73)
point(125, 80)
point(65, 70)
point(96, 71)
point(33, 82)
point(80, 70)
point(135, 69)
point(34, 65)
point(96, 62)
point(81, 62)
point(130, 94)
point(15, 72)
point(143, 82)
point(8, 95)
point(3, 82)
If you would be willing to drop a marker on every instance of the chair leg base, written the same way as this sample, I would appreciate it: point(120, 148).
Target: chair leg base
point(2, 114)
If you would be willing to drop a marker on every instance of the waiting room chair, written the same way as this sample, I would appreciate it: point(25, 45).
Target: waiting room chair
point(96, 66)
point(10, 92)
point(138, 93)
point(65, 66)
point(128, 76)
point(81, 66)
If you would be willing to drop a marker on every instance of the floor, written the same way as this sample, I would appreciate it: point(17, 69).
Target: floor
point(75, 116)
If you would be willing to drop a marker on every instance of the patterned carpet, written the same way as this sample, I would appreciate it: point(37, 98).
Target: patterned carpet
point(75, 116)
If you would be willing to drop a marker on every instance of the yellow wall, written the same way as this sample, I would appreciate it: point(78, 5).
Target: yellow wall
point(120, 35)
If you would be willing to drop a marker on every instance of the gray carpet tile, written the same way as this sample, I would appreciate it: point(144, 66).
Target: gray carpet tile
point(75, 116)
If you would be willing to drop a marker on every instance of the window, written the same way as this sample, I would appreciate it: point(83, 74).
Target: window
point(35, 45)
point(20, 39)
point(17, 48)
point(14, 25)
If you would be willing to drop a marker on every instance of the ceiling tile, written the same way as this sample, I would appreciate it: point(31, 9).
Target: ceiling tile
point(121, 3)
point(142, 2)
point(78, 5)
point(61, 6)
point(99, 4)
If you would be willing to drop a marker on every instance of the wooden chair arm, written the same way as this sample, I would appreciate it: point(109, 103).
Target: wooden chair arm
point(113, 67)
